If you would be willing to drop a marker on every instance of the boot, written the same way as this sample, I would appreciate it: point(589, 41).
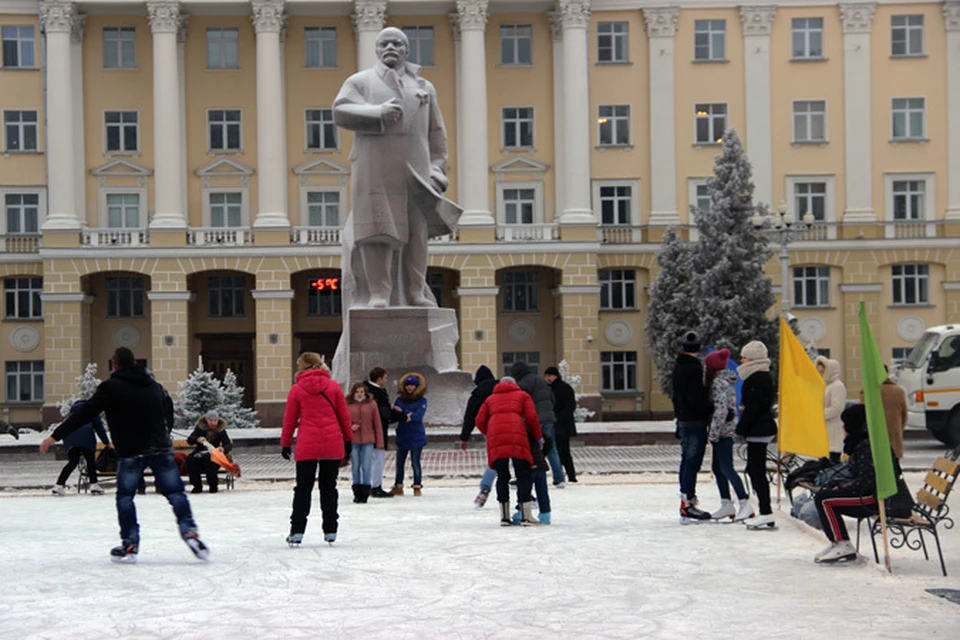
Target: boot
point(378, 492)
point(527, 519)
point(356, 493)
point(689, 513)
point(397, 490)
point(505, 515)
point(96, 489)
point(59, 490)
point(745, 511)
point(763, 521)
point(726, 510)
point(841, 551)
point(364, 493)
point(417, 489)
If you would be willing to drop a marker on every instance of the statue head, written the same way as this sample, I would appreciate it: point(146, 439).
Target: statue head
point(393, 47)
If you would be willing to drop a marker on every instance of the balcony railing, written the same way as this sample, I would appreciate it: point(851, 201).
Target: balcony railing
point(528, 232)
point(621, 235)
point(20, 243)
point(315, 235)
point(909, 229)
point(220, 237)
point(114, 237)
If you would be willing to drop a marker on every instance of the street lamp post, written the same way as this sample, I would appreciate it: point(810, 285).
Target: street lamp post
point(784, 228)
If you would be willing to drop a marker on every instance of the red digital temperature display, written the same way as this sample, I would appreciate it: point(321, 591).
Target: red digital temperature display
point(322, 284)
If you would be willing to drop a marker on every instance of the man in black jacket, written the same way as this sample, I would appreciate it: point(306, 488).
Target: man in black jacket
point(692, 409)
point(564, 406)
point(376, 388)
point(484, 381)
point(140, 417)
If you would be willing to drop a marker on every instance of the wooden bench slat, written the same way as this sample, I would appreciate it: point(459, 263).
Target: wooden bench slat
point(948, 467)
point(937, 482)
point(929, 499)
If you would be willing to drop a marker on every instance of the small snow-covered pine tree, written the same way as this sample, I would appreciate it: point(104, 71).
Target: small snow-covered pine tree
point(232, 410)
point(199, 393)
point(673, 307)
point(580, 414)
point(87, 384)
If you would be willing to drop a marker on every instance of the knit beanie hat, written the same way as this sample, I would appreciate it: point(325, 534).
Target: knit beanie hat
point(717, 360)
point(551, 371)
point(754, 350)
point(483, 374)
point(691, 342)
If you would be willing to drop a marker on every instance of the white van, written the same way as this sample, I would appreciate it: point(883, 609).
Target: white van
point(931, 377)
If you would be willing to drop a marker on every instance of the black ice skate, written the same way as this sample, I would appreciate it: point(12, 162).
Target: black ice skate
point(124, 554)
point(196, 545)
point(294, 540)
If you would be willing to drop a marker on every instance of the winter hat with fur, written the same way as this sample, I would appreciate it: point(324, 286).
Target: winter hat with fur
point(717, 360)
point(754, 350)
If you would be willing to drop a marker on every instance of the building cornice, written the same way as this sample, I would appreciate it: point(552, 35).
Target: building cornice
point(272, 294)
point(267, 16)
point(757, 21)
point(574, 14)
point(866, 287)
point(477, 291)
point(951, 14)
point(171, 296)
point(951, 285)
point(59, 16)
point(164, 17)
point(51, 297)
point(369, 15)
point(661, 21)
point(857, 17)
point(472, 14)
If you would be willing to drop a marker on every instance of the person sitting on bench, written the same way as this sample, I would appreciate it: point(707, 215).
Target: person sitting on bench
point(213, 429)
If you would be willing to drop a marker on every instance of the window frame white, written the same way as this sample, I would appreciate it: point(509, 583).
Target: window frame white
point(32, 373)
point(41, 209)
point(339, 192)
point(224, 125)
point(34, 294)
point(517, 124)
point(319, 35)
point(711, 118)
point(533, 287)
point(223, 45)
point(515, 38)
point(538, 212)
point(117, 39)
point(417, 35)
point(244, 205)
point(21, 125)
point(820, 277)
point(107, 152)
point(806, 31)
point(809, 115)
point(634, 206)
point(21, 41)
point(921, 280)
point(616, 121)
point(907, 110)
point(909, 32)
point(630, 368)
point(104, 217)
point(830, 200)
point(708, 27)
point(908, 192)
point(929, 202)
point(617, 38)
point(693, 198)
point(322, 123)
point(626, 282)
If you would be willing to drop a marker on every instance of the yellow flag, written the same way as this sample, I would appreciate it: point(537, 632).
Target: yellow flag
point(803, 429)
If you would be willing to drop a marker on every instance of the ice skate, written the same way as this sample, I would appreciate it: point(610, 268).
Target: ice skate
point(96, 489)
point(59, 490)
point(505, 520)
point(481, 498)
point(842, 551)
point(544, 518)
point(527, 519)
point(330, 538)
point(196, 545)
point(745, 511)
point(560, 485)
point(763, 521)
point(689, 513)
point(726, 510)
point(294, 540)
point(124, 554)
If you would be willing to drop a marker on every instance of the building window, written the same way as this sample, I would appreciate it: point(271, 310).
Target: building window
point(711, 122)
point(615, 204)
point(324, 298)
point(811, 286)
point(521, 291)
point(21, 298)
point(223, 48)
point(710, 39)
point(20, 131)
point(323, 209)
point(614, 123)
point(911, 283)
point(224, 127)
point(908, 199)
point(25, 381)
point(516, 44)
point(809, 121)
point(226, 209)
point(119, 48)
point(530, 358)
point(807, 38)
point(810, 197)
point(227, 296)
point(908, 118)
point(18, 47)
point(906, 35)
point(125, 297)
point(321, 43)
point(703, 200)
point(612, 38)
point(618, 289)
point(517, 127)
point(321, 132)
point(435, 282)
point(122, 131)
point(23, 212)
point(618, 370)
point(123, 210)
point(421, 45)
point(518, 205)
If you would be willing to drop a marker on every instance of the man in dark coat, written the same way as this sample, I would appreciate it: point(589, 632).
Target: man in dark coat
point(484, 382)
point(376, 387)
point(212, 429)
point(693, 410)
point(139, 415)
point(542, 396)
point(564, 405)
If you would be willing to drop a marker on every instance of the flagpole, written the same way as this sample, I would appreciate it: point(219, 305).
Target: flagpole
point(779, 476)
point(886, 544)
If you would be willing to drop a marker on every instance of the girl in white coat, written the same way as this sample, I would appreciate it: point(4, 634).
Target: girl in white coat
point(834, 402)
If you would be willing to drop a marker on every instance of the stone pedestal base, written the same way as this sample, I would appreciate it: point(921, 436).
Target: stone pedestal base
point(402, 339)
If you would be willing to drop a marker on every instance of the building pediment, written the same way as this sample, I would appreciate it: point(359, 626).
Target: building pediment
point(321, 167)
point(520, 164)
point(121, 168)
point(224, 168)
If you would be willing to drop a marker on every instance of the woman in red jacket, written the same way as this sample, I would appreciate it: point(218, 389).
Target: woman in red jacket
point(317, 411)
point(504, 419)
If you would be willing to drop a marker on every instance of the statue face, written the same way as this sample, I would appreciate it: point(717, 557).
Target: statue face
point(392, 48)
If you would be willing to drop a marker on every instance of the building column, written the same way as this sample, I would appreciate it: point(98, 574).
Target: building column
point(575, 24)
point(182, 83)
point(271, 129)
point(64, 344)
point(79, 162)
point(169, 357)
point(661, 29)
point(59, 19)
point(951, 15)
point(756, 21)
point(580, 327)
point(478, 326)
point(458, 87)
point(559, 155)
point(857, 20)
point(169, 172)
point(369, 17)
point(274, 347)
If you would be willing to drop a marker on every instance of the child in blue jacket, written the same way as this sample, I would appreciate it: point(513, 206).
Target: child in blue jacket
point(411, 435)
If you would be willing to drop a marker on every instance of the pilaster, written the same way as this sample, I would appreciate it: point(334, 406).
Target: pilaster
point(63, 315)
point(580, 328)
point(478, 326)
point(661, 29)
point(274, 352)
point(559, 155)
point(852, 294)
point(951, 15)
point(170, 330)
point(369, 17)
point(76, 90)
point(857, 20)
point(757, 21)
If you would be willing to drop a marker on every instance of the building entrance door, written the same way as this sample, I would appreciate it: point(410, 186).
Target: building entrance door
point(235, 352)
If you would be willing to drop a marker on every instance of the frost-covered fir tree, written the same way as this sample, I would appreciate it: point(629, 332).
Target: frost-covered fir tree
point(673, 307)
point(232, 410)
point(198, 394)
point(580, 414)
point(87, 384)
point(733, 292)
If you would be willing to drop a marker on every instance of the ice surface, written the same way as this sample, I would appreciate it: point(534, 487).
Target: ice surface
point(614, 564)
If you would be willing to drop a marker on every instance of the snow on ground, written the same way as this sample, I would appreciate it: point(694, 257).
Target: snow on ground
point(615, 564)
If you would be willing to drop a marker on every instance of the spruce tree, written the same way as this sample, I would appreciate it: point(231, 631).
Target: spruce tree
point(199, 393)
point(87, 384)
point(232, 410)
point(580, 414)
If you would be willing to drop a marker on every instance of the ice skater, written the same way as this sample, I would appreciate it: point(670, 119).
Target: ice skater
point(564, 409)
point(692, 408)
point(82, 443)
point(411, 434)
point(757, 425)
point(483, 383)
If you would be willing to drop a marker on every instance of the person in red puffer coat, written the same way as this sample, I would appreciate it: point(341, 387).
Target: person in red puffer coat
point(504, 418)
point(317, 411)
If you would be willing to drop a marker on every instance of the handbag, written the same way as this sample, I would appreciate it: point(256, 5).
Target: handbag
point(899, 505)
point(107, 460)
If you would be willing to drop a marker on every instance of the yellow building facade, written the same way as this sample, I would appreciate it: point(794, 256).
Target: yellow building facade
point(172, 181)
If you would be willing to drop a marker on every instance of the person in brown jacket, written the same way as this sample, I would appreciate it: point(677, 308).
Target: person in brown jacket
point(367, 436)
point(895, 412)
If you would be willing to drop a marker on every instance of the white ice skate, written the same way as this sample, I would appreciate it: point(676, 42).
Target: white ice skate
point(841, 551)
point(726, 510)
point(765, 522)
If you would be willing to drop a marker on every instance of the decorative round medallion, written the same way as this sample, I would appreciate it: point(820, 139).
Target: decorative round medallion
point(522, 331)
point(25, 339)
point(813, 330)
point(618, 332)
point(126, 335)
point(911, 328)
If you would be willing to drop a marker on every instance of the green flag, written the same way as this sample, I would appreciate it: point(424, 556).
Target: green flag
point(873, 377)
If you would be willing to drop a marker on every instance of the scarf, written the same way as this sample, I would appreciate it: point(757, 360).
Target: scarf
point(749, 368)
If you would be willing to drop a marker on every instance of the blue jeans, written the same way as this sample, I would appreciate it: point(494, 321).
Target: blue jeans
point(553, 458)
point(169, 483)
point(723, 470)
point(693, 444)
point(488, 478)
point(376, 467)
point(414, 461)
point(541, 490)
point(361, 458)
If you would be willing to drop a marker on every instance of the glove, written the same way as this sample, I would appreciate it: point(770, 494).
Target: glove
point(285, 452)
point(347, 448)
point(547, 445)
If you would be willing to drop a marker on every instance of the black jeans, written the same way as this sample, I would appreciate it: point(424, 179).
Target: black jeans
point(563, 448)
point(757, 471)
point(202, 464)
point(834, 503)
point(524, 479)
point(73, 459)
point(307, 473)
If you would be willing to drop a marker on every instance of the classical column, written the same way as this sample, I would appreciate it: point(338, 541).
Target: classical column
point(79, 161)
point(169, 172)
point(556, 30)
point(271, 164)
point(368, 19)
point(458, 87)
point(661, 29)
point(182, 82)
point(475, 189)
point(170, 332)
point(757, 21)
point(575, 23)
point(478, 325)
point(274, 326)
point(857, 20)
point(951, 15)
point(59, 20)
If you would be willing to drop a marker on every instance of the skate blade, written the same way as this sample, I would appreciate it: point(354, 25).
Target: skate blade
point(852, 557)
point(762, 527)
point(127, 559)
point(198, 550)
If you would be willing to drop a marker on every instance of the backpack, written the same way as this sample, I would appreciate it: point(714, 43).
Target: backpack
point(806, 473)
